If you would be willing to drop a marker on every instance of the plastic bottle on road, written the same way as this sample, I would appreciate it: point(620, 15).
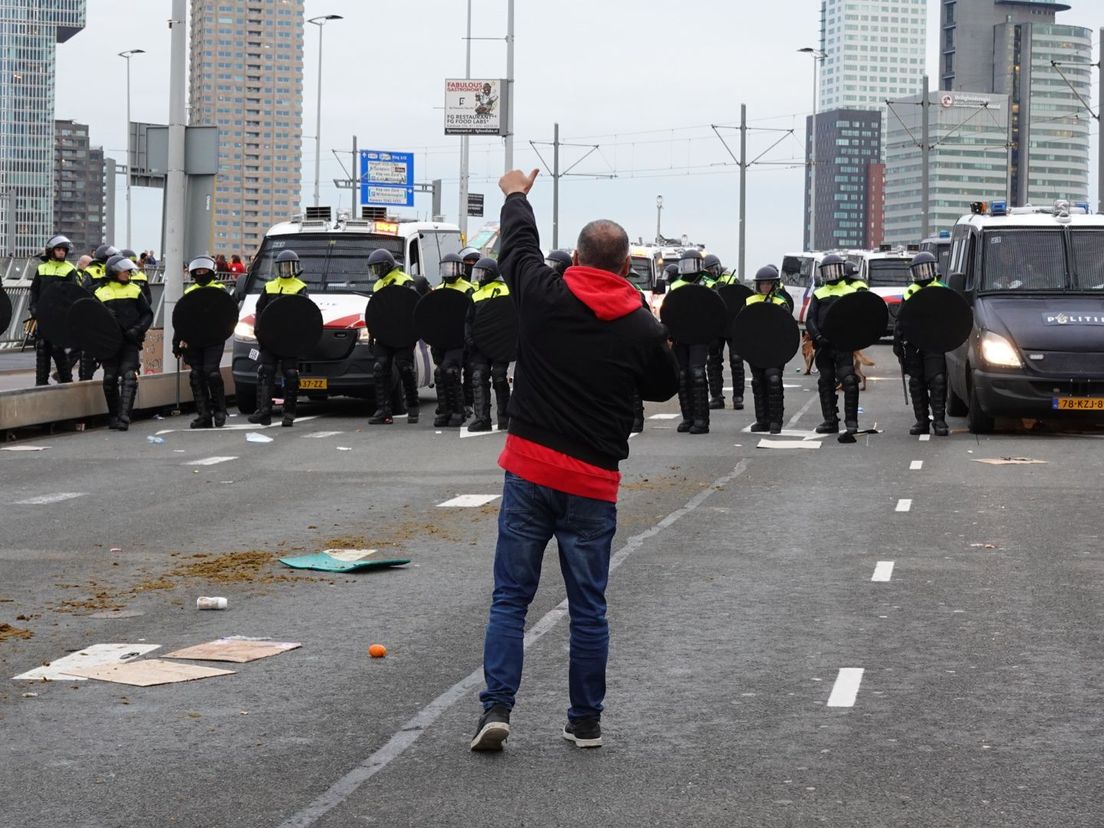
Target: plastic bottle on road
point(205, 603)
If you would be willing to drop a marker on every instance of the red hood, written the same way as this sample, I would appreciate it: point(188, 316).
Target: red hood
point(607, 294)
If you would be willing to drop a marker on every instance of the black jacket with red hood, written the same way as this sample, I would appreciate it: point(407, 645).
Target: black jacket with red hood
point(585, 345)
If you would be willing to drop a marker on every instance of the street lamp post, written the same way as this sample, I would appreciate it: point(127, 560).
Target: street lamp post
point(320, 22)
point(659, 214)
point(127, 55)
point(817, 56)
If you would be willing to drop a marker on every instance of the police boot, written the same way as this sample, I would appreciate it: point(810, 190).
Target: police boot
point(828, 403)
point(469, 400)
point(502, 396)
point(87, 366)
point(64, 371)
point(455, 397)
point(291, 398)
point(714, 371)
point(919, 394)
point(481, 400)
point(111, 396)
point(937, 390)
point(638, 414)
point(851, 403)
point(444, 408)
point(758, 394)
point(774, 403)
point(218, 397)
point(126, 399)
point(699, 399)
point(737, 365)
point(684, 401)
point(410, 388)
point(263, 414)
point(42, 362)
point(202, 403)
point(381, 380)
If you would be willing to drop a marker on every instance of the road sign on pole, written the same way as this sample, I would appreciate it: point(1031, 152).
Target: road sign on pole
point(475, 205)
point(386, 178)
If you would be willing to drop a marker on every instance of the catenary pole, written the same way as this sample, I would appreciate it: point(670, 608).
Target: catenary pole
point(174, 184)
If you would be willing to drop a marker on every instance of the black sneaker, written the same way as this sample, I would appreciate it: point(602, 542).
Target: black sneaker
point(493, 729)
point(585, 733)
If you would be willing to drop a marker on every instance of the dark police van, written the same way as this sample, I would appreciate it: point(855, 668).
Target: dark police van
point(1035, 279)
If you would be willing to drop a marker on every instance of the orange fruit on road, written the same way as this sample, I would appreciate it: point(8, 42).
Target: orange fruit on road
point(377, 651)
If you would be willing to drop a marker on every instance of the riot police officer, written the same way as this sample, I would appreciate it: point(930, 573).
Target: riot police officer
point(205, 375)
point(54, 269)
point(124, 299)
point(716, 272)
point(286, 283)
point(927, 371)
point(486, 372)
point(558, 260)
point(93, 276)
point(447, 376)
point(834, 366)
point(383, 268)
point(766, 383)
point(693, 388)
point(469, 255)
point(138, 276)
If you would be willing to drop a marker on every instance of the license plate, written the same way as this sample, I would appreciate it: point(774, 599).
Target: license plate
point(313, 384)
point(1079, 403)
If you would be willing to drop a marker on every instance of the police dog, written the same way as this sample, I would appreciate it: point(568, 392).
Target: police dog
point(808, 353)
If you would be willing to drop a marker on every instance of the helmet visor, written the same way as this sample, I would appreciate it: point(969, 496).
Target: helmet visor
point(833, 272)
point(689, 266)
point(924, 271)
point(286, 270)
point(452, 270)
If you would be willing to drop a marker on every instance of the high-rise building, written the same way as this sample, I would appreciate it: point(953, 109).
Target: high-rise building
point(849, 179)
point(29, 32)
point(1009, 47)
point(247, 79)
point(78, 187)
point(968, 161)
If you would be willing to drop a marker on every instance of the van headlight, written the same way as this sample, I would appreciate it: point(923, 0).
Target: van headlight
point(243, 332)
point(998, 351)
point(363, 336)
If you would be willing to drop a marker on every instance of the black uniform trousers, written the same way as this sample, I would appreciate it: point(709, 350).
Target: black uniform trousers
point(267, 368)
point(386, 360)
point(44, 352)
point(205, 378)
point(486, 373)
point(693, 387)
point(838, 367)
point(447, 378)
point(120, 381)
point(766, 386)
point(927, 374)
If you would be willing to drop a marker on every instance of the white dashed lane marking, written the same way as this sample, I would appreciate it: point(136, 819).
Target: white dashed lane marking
point(318, 435)
point(904, 505)
point(209, 461)
point(916, 465)
point(468, 501)
point(43, 500)
point(924, 438)
point(883, 571)
point(664, 416)
point(846, 687)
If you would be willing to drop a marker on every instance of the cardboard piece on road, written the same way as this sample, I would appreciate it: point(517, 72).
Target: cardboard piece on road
point(53, 312)
point(788, 444)
point(856, 321)
point(5, 310)
point(290, 326)
point(236, 650)
point(24, 448)
point(936, 320)
point(205, 317)
point(439, 317)
point(1010, 461)
point(94, 328)
point(343, 560)
point(495, 328)
point(694, 314)
point(97, 655)
point(150, 672)
point(390, 316)
point(766, 335)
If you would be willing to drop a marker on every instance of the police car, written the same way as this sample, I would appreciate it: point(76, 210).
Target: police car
point(645, 273)
point(1035, 279)
point(800, 279)
point(334, 256)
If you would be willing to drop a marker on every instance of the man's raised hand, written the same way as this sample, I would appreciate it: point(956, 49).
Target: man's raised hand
point(515, 181)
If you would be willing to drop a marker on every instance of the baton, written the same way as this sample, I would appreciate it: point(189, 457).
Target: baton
point(176, 411)
point(904, 385)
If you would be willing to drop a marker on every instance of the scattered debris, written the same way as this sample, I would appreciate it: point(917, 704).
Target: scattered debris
point(153, 438)
point(118, 613)
point(149, 672)
point(24, 448)
point(204, 602)
point(96, 655)
point(237, 649)
point(254, 437)
point(788, 444)
point(30, 695)
point(344, 448)
point(1010, 461)
point(984, 546)
point(377, 650)
point(343, 560)
point(229, 568)
point(8, 631)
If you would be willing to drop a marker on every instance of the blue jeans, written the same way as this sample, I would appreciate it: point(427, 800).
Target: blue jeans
point(584, 529)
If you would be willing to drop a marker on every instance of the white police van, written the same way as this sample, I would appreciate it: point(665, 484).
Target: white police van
point(334, 259)
point(1035, 279)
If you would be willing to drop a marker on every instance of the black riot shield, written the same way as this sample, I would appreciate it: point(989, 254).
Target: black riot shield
point(205, 317)
point(289, 326)
point(94, 328)
point(856, 321)
point(694, 314)
point(53, 311)
point(5, 310)
point(495, 328)
point(734, 297)
point(766, 335)
point(439, 318)
point(936, 320)
point(390, 316)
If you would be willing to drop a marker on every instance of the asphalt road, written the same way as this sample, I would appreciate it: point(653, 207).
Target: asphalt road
point(743, 588)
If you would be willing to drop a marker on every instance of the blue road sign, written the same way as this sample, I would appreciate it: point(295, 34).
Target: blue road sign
point(386, 178)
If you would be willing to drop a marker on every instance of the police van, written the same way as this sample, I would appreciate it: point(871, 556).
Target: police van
point(645, 273)
point(334, 259)
point(1035, 279)
point(800, 279)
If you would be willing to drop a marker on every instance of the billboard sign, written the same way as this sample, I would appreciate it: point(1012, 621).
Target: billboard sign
point(475, 107)
point(386, 178)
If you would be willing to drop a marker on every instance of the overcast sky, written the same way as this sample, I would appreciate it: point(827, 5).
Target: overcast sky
point(643, 79)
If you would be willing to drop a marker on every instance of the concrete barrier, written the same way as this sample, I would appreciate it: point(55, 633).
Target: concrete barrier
point(23, 407)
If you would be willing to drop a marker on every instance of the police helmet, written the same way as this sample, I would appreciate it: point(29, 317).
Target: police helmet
point(104, 252)
point(287, 265)
point(452, 267)
point(380, 263)
point(852, 269)
point(767, 273)
point(202, 269)
point(118, 265)
point(833, 268)
point(558, 260)
point(690, 263)
point(130, 254)
point(924, 267)
point(56, 242)
point(485, 270)
point(470, 255)
point(671, 272)
point(711, 264)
